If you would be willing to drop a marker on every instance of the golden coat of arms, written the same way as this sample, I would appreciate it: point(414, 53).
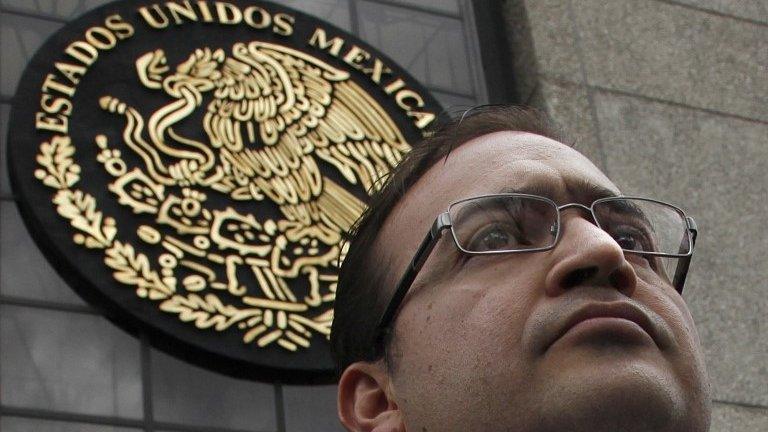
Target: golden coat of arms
point(219, 187)
point(275, 114)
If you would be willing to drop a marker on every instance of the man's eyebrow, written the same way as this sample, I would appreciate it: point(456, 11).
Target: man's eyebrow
point(581, 190)
point(531, 189)
point(588, 191)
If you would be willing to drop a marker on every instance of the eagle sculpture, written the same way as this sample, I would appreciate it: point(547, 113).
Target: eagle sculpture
point(271, 115)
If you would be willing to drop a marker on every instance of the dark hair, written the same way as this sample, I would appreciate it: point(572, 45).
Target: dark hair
point(363, 287)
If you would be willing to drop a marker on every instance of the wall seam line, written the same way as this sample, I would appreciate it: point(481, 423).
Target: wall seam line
point(561, 80)
point(714, 12)
point(680, 105)
point(740, 404)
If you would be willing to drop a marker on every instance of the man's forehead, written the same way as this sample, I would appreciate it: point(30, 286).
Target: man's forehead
point(506, 162)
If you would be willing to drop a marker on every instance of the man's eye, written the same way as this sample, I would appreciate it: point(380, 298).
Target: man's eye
point(633, 240)
point(627, 241)
point(496, 237)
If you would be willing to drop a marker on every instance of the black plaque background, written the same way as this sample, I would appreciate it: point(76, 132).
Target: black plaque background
point(114, 74)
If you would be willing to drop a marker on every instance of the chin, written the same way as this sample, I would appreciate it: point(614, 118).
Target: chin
point(621, 396)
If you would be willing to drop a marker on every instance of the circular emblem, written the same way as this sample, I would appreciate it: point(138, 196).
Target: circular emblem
point(189, 168)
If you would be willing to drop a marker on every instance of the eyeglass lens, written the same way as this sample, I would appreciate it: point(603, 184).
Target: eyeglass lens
point(502, 223)
point(513, 223)
point(643, 226)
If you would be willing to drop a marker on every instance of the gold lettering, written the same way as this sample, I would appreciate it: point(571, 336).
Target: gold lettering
point(205, 11)
point(109, 43)
point(377, 71)
point(122, 29)
point(394, 86)
point(51, 84)
point(423, 119)
point(283, 24)
point(177, 9)
point(263, 22)
point(70, 71)
point(55, 105)
point(320, 40)
point(406, 94)
point(228, 13)
point(163, 23)
point(82, 51)
point(55, 124)
point(355, 56)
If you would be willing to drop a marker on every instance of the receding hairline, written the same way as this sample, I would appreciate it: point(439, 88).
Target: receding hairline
point(462, 147)
point(529, 140)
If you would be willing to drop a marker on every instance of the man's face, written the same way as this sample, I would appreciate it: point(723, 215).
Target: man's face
point(482, 343)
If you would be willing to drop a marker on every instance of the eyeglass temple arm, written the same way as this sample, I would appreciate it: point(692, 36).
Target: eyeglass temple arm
point(682, 267)
point(422, 253)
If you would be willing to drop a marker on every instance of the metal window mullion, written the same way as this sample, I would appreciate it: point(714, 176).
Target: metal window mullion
point(146, 384)
point(449, 92)
point(40, 414)
point(34, 15)
point(48, 305)
point(424, 9)
point(279, 408)
point(472, 47)
point(354, 23)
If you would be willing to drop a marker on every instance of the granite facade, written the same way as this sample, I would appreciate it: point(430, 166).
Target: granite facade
point(669, 98)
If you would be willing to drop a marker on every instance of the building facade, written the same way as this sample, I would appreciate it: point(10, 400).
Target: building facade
point(668, 97)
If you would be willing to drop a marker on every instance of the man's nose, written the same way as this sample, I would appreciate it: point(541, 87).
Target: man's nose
point(588, 256)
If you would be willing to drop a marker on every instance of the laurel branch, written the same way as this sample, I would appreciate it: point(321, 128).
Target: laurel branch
point(59, 171)
point(133, 269)
point(206, 311)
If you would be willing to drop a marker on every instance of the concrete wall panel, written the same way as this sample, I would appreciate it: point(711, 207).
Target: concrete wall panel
point(714, 167)
point(673, 53)
point(670, 98)
point(730, 418)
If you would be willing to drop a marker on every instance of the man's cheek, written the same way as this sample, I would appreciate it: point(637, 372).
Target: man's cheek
point(493, 328)
point(671, 307)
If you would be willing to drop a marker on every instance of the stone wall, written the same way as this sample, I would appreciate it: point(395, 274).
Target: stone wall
point(670, 99)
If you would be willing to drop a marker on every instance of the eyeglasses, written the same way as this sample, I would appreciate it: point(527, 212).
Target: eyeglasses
point(516, 223)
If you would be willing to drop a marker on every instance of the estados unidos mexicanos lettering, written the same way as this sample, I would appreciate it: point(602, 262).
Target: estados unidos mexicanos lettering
point(408, 100)
point(58, 88)
point(160, 16)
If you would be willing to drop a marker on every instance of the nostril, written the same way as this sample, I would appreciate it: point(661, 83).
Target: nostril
point(623, 278)
point(578, 277)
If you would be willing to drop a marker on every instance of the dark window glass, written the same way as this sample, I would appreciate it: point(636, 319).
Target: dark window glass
point(191, 395)
point(69, 362)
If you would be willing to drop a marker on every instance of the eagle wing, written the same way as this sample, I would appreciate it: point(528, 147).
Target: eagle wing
point(305, 107)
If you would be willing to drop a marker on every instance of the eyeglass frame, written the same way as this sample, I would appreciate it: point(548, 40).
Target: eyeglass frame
point(443, 222)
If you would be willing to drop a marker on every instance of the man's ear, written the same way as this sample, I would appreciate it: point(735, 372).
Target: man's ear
point(366, 402)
